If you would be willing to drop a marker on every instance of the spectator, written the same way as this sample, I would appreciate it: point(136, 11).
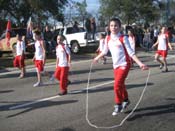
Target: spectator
point(93, 27)
point(88, 28)
point(88, 25)
point(156, 33)
point(147, 39)
point(48, 37)
point(47, 34)
point(75, 27)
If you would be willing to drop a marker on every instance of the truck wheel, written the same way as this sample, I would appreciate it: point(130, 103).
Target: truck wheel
point(75, 48)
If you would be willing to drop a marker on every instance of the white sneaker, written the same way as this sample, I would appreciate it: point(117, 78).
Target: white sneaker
point(52, 78)
point(124, 105)
point(161, 66)
point(37, 84)
point(117, 109)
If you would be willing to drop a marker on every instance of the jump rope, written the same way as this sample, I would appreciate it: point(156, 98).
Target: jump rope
point(87, 102)
point(122, 122)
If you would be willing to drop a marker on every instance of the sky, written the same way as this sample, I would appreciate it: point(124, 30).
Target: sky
point(92, 5)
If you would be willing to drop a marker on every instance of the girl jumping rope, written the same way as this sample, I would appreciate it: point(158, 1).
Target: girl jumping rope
point(121, 52)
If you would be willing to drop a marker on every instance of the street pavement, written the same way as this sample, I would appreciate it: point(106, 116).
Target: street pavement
point(27, 108)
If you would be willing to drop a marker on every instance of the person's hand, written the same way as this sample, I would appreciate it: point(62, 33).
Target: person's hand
point(153, 47)
point(69, 64)
point(97, 51)
point(95, 60)
point(33, 59)
point(144, 67)
point(44, 61)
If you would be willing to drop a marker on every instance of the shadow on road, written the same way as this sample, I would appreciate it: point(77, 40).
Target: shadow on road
point(35, 106)
point(6, 91)
point(153, 110)
point(65, 129)
point(128, 86)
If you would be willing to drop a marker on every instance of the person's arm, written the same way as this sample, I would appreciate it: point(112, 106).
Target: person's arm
point(44, 51)
point(69, 60)
point(141, 65)
point(104, 52)
point(33, 59)
point(98, 57)
point(23, 50)
point(170, 46)
point(132, 54)
point(68, 52)
point(57, 61)
point(155, 44)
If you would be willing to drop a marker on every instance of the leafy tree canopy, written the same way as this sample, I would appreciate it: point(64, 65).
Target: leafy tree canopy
point(19, 11)
point(129, 10)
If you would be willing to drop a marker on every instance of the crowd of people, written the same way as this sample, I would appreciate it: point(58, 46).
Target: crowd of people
point(121, 47)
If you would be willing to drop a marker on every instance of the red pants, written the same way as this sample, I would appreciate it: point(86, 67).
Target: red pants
point(39, 65)
point(162, 53)
point(120, 92)
point(61, 74)
point(19, 62)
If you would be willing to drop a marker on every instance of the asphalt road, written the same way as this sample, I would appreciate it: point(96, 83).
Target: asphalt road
point(27, 108)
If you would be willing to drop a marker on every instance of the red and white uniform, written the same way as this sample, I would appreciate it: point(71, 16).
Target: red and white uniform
point(38, 51)
point(101, 44)
point(62, 70)
point(20, 47)
point(132, 42)
point(19, 59)
point(39, 56)
point(162, 45)
point(61, 52)
point(118, 53)
point(162, 40)
point(121, 53)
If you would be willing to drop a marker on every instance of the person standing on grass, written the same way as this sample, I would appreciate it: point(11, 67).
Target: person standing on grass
point(121, 52)
point(162, 49)
point(19, 60)
point(63, 61)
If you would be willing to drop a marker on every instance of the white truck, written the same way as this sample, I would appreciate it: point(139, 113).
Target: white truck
point(78, 39)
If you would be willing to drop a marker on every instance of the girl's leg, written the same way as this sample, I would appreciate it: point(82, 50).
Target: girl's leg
point(120, 91)
point(165, 64)
point(157, 58)
point(39, 76)
point(64, 79)
point(57, 73)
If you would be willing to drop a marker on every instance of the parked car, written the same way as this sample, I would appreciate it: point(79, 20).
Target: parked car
point(10, 49)
point(77, 39)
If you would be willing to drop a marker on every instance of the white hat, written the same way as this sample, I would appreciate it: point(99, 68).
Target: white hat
point(133, 24)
